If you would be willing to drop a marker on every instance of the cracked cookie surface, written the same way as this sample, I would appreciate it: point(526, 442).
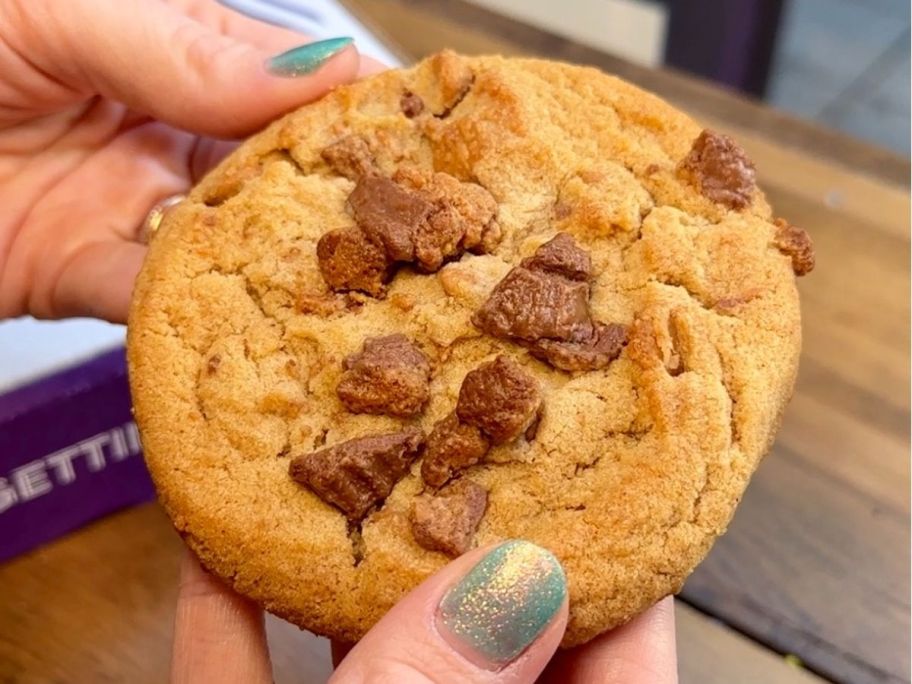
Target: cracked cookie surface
point(237, 342)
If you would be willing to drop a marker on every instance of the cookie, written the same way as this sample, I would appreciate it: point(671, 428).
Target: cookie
point(474, 300)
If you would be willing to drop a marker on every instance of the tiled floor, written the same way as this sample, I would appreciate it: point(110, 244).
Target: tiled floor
point(845, 63)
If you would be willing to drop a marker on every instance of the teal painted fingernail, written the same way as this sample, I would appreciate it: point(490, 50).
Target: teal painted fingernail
point(503, 604)
point(306, 58)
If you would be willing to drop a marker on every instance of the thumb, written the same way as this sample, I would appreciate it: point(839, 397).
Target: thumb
point(495, 615)
point(168, 66)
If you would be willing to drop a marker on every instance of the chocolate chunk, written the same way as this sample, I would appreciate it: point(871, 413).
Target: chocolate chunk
point(213, 364)
point(529, 305)
point(447, 521)
point(350, 157)
point(544, 304)
point(389, 215)
point(561, 256)
point(795, 243)
point(358, 474)
point(451, 446)
point(474, 208)
point(597, 351)
point(413, 219)
point(410, 104)
point(720, 169)
point(500, 398)
point(463, 219)
point(349, 261)
point(388, 376)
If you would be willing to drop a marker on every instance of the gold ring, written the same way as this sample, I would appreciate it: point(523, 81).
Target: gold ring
point(156, 215)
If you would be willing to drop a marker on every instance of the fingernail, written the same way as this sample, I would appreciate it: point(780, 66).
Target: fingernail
point(503, 604)
point(306, 58)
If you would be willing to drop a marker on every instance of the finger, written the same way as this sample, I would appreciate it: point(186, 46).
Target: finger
point(97, 281)
point(160, 62)
point(268, 37)
point(90, 269)
point(640, 652)
point(97, 278)
point(494, 615)
point(218, 635)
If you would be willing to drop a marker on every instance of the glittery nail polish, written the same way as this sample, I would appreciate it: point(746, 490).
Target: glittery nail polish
point(503, 604)
point(306, 58)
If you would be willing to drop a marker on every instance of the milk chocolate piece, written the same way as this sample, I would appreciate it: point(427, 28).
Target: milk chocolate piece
point(358, 474)
point(390, 375)
point(595, 352)
point(795, 243)
point(561, 256)
point(720, 169)
point(529, 305)
point(447, 521)
point(451, 446)
point(500, 398)
point(349, 261)
point(350, 157)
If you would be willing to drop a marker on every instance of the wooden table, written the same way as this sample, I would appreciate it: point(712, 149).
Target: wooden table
point(816, 563)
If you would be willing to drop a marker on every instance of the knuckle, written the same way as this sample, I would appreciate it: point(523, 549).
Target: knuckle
point(205, 51)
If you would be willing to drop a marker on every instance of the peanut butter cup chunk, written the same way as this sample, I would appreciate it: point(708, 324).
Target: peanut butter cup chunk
point(390, 376)
point(561, 256)
point(349, 261)
point(529, 305)
point(446, 521)
point(500, 398)
point(720, 169)
point(451, 446)
point(796, 244)
point(389, 215)
point(356, 475)
point(592, 353)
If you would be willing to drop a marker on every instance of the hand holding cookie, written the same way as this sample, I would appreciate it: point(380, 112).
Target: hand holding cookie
point(106, 109)
point(496, 614)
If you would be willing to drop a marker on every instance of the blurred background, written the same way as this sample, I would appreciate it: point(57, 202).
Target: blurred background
point(841, 63)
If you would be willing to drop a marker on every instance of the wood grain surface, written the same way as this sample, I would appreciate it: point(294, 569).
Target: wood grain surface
point(816, 563)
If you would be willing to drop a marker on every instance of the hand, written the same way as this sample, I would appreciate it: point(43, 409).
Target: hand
point(437, 634)
point(103, 105)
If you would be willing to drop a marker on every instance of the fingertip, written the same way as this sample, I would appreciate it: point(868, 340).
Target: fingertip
point(265, 95)
point(303, 60)
point(496, 614)
point(219, 636)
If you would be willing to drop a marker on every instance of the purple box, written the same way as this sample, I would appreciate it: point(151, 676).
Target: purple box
point(69, 453)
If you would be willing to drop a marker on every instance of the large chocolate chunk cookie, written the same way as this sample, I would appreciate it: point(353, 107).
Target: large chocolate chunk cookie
point(473, 300)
